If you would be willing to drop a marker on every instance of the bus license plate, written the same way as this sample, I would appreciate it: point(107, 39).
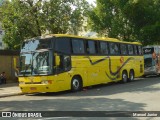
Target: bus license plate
point(33, 88)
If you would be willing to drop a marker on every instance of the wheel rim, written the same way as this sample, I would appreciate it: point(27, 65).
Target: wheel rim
point(131, 76)
point(124, 77)
point(75, 84)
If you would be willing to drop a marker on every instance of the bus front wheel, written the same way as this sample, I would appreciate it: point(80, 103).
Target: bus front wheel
point(76, 84)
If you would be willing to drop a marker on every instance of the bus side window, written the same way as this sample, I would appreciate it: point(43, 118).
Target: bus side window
point(77, 46)
point(123, 49)
point(103, 47)
point(64, 63)
point(63, 45)
point(114, 48)
point(91, 47)
point(130, 49)
point(67, 62)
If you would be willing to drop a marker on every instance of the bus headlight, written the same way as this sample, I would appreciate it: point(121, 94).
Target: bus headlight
point(21, 82)
point(46, 82)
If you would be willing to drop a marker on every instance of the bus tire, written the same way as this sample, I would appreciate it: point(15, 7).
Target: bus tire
point(76, 84)
point(131, 76)
point(124, 77)
point(144, 76)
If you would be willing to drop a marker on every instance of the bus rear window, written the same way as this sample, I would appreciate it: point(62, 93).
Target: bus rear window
point(148, 62)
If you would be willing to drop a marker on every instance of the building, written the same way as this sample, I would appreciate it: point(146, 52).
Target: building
point(7, 64)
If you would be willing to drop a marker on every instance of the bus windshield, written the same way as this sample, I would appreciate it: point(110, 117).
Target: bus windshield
point(36, 44)
point(35, 63)
point(34, 57)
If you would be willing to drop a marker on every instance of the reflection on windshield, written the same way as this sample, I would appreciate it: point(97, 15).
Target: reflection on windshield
point(35, 63)
point(36, 44)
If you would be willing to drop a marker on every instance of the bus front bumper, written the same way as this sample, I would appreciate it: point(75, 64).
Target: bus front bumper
point(38, 88)
point(150, 71)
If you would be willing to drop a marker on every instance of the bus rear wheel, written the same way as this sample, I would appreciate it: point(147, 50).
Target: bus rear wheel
point(76, 84)
point(124, 77)
point(131, 76)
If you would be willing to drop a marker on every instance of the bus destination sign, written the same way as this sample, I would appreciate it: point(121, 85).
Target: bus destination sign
point(148, 50)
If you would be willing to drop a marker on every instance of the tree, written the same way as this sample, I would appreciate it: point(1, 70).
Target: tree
point(129, 20)
point(78, 15)
point(107, 19)
point(20, 20)
point(145, 17)
point(23, 19)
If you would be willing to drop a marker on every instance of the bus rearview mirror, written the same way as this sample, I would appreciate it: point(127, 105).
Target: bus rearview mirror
point(14, 63)
point(57, 60)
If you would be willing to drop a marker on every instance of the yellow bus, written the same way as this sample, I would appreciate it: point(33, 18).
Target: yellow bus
point(60, 62)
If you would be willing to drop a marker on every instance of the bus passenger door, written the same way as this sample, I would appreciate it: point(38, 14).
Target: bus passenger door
point(61, 68)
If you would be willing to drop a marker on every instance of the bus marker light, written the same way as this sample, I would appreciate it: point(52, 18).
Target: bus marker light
point(50, 81)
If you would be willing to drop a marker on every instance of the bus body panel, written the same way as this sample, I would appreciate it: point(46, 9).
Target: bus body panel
point(92, 74)
point(92, 69)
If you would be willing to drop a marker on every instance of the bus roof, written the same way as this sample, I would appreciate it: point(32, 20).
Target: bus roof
point(91, 38)
point(87, 38)
point(152, 46)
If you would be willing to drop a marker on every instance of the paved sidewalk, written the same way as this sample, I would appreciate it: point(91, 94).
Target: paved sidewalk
point(9, 89)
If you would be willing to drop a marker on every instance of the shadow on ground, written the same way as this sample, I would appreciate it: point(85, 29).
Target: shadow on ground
point(91, 102)
point(139, 85)
point(85, 104)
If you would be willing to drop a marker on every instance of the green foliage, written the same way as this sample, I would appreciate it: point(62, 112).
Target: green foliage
point(145, 17)
point(130, 20)
point(108, 19)
point(22, 19)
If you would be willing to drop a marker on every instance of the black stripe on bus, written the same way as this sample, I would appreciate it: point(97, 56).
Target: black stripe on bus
point(110, 70)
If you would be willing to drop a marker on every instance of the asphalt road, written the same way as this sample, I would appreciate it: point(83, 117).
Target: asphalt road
point(142, 94)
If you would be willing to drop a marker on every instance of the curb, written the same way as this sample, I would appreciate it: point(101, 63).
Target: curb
point(11, 94)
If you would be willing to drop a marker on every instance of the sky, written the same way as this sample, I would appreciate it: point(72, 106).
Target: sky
point(91, 1)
